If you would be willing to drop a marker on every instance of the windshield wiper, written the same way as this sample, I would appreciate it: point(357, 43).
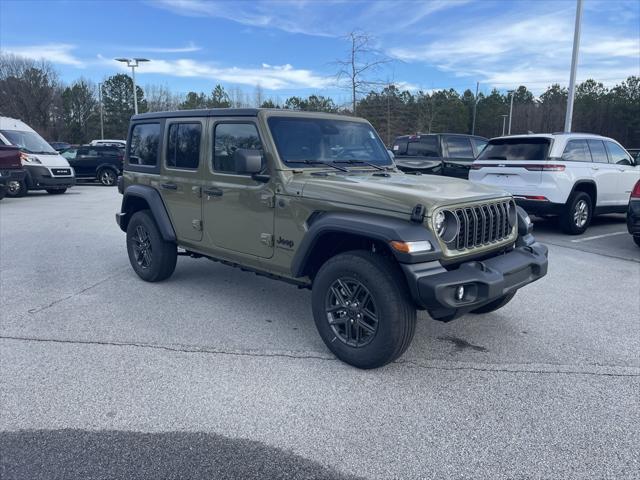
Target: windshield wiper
point(317, 162)
point(363, 162)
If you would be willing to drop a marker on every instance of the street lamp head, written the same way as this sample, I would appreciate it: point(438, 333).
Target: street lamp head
point(125, 60)
point(142, 60)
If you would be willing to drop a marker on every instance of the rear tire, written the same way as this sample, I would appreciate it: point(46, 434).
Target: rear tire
point(151, 257)
point(107, 177)
point(56, 191)
point(362, 310)
point(577, 214)
point(496, 304)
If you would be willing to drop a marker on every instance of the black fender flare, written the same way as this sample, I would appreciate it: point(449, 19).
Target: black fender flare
point(584, 182)
point(152, 198)
point(110, 166)
point(376, 227)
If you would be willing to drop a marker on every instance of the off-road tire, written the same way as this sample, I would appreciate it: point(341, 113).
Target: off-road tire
point(21, 192)
point(395, 311)
point(568, 215)
point(637, 240)
point(56, 191)
point(497, 304)
point(107, 177)
point(160, 261)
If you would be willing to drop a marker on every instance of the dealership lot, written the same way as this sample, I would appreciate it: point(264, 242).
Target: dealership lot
point(228, 367)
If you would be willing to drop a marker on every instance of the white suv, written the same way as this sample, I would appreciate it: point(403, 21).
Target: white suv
point(573, 175)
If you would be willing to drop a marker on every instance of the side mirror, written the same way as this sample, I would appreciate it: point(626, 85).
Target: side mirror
point(391, 154)
point(248, 161)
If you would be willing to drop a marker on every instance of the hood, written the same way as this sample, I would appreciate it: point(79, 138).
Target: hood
point(396, 192)
point(50, 160)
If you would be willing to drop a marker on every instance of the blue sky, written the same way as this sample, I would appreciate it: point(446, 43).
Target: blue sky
point(288, 47)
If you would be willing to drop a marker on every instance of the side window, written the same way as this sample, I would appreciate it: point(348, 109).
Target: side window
point(459, 147)
point(400, 147)
point(83, 152)
point(183, 147)
point(618, 155)
point(598, 153)
point(479, 144)
point(229, 137)
point(424, 147)
point(93, 152)
point(143, 149)
point(576, 151)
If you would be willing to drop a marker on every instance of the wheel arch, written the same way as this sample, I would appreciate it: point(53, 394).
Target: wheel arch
point(329, 234)
point(587, 186)
point(143, 197)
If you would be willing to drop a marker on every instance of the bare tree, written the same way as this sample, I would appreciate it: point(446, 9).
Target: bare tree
point(363, 60)
point(161, 99)
point(258, 95)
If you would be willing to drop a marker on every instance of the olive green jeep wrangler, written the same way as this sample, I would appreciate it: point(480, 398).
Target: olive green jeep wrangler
point(316, 200)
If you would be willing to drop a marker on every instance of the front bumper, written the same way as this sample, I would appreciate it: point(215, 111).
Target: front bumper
point(40, 177)
point(11, 175)
point(434, 288)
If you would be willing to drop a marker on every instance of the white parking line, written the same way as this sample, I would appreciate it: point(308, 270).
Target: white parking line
point(586, 239)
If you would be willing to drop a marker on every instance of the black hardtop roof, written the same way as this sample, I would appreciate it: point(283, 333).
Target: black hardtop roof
point(204, 112)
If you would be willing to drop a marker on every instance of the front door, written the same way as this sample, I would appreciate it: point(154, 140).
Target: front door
point(628, 173)
point(238, 211)
point(180, 180)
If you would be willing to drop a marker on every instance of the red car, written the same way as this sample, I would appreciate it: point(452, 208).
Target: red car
point(11, 171)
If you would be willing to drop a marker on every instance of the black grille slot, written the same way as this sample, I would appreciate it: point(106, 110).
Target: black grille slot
point(482, 225)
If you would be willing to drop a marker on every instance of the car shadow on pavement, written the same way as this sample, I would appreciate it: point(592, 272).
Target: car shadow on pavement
point(108, 454)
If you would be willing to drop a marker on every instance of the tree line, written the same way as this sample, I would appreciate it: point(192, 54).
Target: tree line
point(33, 92)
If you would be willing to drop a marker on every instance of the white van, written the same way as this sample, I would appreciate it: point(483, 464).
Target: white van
point(45, 168)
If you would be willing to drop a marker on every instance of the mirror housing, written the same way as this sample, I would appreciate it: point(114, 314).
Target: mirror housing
point(248, 161)
point(391, 154)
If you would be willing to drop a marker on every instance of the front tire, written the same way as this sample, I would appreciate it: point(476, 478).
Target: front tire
point(56, 191)
point(497, 304)
point(577, 214)
point(362, 310)
point(151, 257)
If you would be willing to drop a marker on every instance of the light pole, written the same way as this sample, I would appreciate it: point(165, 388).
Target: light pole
point(504, 121)
point(133, 63)
point(510, 110)
point(574, 67)
point(101, 111)
point(475, 107)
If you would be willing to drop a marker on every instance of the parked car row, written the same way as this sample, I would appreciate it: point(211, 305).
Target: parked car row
point(28, 162)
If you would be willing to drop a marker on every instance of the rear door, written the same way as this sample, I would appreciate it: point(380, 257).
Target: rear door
point(628, 172)
point(458, 156)
point(602, 171)
point(180, 185)
point(85, 162)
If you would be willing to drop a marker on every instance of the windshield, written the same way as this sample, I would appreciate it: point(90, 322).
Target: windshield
point(307, 140)
point(28, 142)
point(516, 149)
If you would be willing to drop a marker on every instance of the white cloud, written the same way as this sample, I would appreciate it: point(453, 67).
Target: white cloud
point(534, 50)
point(271, 77)
point(189, 48)
point(60, 53)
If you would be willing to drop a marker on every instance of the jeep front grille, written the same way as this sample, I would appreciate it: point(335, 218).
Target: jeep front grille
point(483, 224)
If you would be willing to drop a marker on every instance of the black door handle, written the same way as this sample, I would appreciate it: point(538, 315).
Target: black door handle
point(212, 192)
point(169, 186)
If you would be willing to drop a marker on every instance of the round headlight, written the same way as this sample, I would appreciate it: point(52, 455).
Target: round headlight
point(438, 223)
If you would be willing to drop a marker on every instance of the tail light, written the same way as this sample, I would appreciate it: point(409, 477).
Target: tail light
point(635, 193)
point(477, 166)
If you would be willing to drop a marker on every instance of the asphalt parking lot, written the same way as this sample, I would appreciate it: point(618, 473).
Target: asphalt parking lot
point(217, 373)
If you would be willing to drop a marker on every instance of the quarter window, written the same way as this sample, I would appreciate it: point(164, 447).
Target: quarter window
point(598, 153)
point(143, 149)
point(459, 147)
point(618, 155)
point(480, 144)
point(183, 148)
point(576, 151)
point(229, 137)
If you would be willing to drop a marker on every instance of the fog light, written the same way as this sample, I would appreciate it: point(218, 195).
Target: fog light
point(460, 292)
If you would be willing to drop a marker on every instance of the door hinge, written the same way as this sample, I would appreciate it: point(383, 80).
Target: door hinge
point(268, 200)
point(267, 239)
point(197, 225)
point(197, 191)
